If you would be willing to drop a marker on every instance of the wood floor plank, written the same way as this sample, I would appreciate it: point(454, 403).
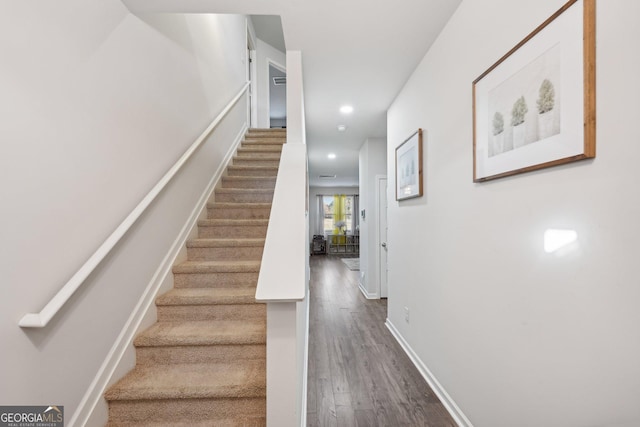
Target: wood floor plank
point(358, 374)
point(327, 414)
point(365, 418)
point(345, 416)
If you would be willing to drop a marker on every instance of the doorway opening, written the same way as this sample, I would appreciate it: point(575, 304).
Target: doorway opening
point(277, 97)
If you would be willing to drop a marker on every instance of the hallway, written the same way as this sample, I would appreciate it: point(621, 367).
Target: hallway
point(358, 374)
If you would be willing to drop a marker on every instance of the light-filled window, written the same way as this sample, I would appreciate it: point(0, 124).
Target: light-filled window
point(338, 214)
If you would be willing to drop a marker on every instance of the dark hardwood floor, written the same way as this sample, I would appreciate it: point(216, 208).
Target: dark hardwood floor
point(358, 374)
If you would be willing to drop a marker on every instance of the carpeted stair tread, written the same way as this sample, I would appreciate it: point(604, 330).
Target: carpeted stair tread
point(262, 151)
point(262, 136)
point(240, 195)
point(267, 131)
point(236, 378)
point(233, 222)
point(249, 178)
point(260, 148)
point(199, 333)
point(224, 243)
point(217, 267)
point(208, 296)
point(244, 190)
point(271, 140)
point(248, 182)
point(253, 143)
point(234, 205)
point(252, 168)
point(257, 155)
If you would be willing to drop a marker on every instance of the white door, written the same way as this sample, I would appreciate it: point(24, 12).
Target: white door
point(382, 235)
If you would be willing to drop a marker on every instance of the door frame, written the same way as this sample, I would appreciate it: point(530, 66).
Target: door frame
point(279, 67)
point(251, 77)
point(378, 241)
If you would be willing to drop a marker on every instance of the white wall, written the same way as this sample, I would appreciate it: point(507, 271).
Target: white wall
point(373, 161)
point(265, 55)
point(97, 104)
point(516, 336)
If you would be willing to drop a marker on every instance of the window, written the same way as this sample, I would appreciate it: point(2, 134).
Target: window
point(338, 214)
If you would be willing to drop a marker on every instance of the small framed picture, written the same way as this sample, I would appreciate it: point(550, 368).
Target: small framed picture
point(409, 167)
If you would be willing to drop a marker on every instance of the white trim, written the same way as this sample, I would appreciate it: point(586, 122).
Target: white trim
point(368, 295)
point(378, 275)
point(282, 364)
point(125, 339)
point(279, 67)
point(41, 319)
point(453, 409)
point(275, 64)
point(305, 369)
point(253, 88)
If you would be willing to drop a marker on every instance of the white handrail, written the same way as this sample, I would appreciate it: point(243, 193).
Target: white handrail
point(41, 319)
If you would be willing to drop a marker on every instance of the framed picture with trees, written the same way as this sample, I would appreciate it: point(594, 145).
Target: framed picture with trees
point(409, 167)
point(535, 107)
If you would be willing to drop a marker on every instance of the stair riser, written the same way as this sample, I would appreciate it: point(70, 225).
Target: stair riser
point(238, 213)
point(199, 353)
point(248, 161)
point(184, 410)
point(232, 231)
point(235, 253)
point(267, 133)
point(253, 149)
point(214, 280)
point(260, 183)
point(266, 136)
point(248, 197)
point(267, 146)
point(256, 153)
point(251, 172)
point(176, 313)
point(271, 145)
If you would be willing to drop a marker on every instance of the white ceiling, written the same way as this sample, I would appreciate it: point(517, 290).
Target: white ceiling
point(357, 52)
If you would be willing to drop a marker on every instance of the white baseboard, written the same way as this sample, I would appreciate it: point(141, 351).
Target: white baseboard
point(89, 411)
point(368, 295)
point(437, 388)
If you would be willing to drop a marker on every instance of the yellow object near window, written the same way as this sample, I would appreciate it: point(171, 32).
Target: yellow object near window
point(338, 219)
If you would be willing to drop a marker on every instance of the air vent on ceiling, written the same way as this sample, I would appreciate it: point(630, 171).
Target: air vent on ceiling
point(280, 81)
point(327, 176)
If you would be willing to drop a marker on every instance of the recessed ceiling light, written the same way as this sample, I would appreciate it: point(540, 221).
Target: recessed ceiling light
point(346, 109)
point(342, 128)
point(331, 156)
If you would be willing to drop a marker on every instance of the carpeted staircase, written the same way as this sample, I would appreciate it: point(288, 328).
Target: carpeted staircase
point(203, 362)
